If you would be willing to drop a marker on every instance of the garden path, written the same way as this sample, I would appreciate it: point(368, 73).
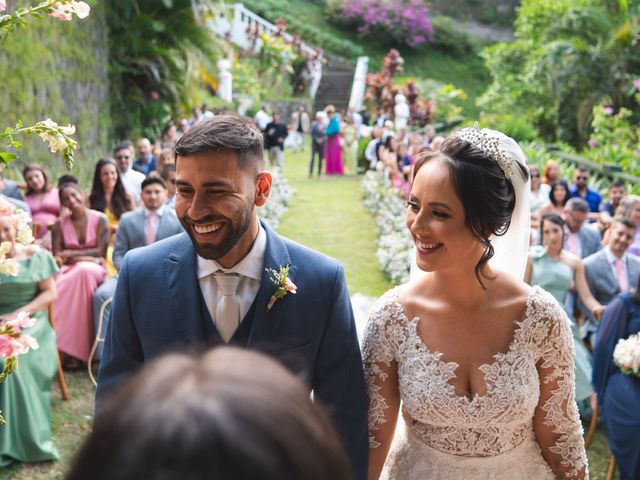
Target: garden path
point(327, 214)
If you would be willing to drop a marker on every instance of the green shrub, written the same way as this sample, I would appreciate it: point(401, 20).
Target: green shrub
point(449, 36)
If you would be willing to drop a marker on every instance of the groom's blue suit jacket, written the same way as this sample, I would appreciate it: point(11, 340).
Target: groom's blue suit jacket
point(157, 308)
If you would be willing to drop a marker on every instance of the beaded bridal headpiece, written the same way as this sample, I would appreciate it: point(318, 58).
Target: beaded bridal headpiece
point(490, 145)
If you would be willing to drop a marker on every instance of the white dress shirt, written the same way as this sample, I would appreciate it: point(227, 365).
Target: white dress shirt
point(249, 269)
point(132, 181)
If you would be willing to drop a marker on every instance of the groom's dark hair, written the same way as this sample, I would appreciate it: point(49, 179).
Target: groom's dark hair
point(223, 133)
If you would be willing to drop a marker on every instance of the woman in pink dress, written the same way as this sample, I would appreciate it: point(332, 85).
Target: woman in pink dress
point(43, 202)
point(80, 239)
point(332, 148)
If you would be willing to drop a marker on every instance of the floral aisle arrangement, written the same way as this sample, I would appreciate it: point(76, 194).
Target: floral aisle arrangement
point(281, 193)
point(395, 246)
point(626, 355)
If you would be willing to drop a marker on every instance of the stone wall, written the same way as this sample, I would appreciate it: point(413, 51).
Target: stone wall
point(58, 70)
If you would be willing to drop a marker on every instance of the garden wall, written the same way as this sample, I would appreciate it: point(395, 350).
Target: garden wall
point(58, 70)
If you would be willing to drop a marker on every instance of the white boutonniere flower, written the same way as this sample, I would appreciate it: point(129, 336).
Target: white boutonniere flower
point(282, 282)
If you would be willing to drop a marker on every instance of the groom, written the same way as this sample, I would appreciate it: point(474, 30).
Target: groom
point(213, 285)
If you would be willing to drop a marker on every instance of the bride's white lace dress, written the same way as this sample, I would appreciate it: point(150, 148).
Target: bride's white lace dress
point(491, 436)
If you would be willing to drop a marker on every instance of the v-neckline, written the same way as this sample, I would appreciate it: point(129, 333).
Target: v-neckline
point(452, 366)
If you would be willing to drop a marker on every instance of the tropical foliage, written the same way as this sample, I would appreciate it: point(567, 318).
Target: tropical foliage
point(157, 50)
point(569, 56)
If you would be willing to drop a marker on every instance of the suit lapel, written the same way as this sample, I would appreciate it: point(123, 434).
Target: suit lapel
point(184, 289)
point(276, 256)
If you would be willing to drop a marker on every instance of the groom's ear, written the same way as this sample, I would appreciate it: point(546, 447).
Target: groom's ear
point(263, 188)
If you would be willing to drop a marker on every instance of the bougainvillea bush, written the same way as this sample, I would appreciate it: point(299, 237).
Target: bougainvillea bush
point(402, 21)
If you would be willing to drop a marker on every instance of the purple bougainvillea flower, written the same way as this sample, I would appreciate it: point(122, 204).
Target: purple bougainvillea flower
point(608, 110)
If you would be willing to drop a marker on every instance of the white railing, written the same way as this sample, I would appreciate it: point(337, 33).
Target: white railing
point(359, 84)
point(234, 21)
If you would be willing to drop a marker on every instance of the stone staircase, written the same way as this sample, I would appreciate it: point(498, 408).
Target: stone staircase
point(335, 85)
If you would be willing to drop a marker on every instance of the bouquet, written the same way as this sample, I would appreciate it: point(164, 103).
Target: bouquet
point(626, 355)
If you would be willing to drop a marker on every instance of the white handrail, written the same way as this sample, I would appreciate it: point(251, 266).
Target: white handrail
point(236, 32)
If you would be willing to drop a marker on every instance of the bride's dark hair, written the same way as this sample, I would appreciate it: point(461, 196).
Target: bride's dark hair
point(487, 196)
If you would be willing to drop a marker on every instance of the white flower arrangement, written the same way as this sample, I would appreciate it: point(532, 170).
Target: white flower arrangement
point(281, 194)
point(395, 246)
point(20, 219)
point(626, 355)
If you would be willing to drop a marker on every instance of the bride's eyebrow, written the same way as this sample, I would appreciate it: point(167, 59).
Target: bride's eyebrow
point(439, 204)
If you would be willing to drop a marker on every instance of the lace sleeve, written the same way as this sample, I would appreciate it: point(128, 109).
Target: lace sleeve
point(556, 422)
point(380, 370)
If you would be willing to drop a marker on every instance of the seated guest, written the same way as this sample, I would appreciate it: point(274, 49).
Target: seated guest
point(612, 270)
point(551, 173)
point(131, 179)
point(619, 394)
point(43, 200)
point(80, 239)
point(555, 269)
point(539, 194)
point(9, 188)
point(150, 223)
point(25, 396)
point(580, 189)
point(108, 195)
point(168, 174)
point(630, 209)
point(230, 415)
point(580, 239)
point(617, 191)
point(558, 198)
point(372, 151)
point(146, 161)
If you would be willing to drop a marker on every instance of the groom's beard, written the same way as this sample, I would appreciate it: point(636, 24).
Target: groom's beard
point(232, 231)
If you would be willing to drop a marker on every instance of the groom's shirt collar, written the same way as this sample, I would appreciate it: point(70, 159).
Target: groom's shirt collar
point(250, 266)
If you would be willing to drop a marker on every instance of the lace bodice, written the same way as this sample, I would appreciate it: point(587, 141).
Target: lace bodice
point(528, 388)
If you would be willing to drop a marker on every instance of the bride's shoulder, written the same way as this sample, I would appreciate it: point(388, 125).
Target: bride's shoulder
point(388, 306)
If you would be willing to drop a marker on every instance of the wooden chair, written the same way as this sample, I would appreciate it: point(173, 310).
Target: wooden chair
point(61, 382)
point(97, 340)
point(587, 443)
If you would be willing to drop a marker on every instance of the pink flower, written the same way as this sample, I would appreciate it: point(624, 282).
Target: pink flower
point(22, 320)
point(636, 84)
point(3, 5)
point(57, 11)
point(289, 286)
point(593, 143)
point(608, 110)
point(155, 95)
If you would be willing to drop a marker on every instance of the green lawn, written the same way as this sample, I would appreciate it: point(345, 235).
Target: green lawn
point(325, 214)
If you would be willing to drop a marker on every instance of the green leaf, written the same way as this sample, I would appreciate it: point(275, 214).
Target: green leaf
point(6, 157)
point(168, 3)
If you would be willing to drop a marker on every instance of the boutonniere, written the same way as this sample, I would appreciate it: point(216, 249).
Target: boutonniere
point(282, 282)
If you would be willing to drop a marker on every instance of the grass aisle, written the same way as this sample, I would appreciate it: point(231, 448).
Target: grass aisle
point(327, 215)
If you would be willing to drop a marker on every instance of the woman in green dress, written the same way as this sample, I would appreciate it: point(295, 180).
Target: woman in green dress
point(25, 396)
point(554, 269)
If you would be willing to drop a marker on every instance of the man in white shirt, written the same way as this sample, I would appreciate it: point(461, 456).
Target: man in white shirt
point(131, 179)
point(230, 279)
point(262, 118)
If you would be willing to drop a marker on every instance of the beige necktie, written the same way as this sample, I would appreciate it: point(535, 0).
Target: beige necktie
point(228, 309)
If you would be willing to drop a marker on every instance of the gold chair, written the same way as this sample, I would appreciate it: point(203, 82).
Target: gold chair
point(587, 443)
point(97, 340)
point(61, 381)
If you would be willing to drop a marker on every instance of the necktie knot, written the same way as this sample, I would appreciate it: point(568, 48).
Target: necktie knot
point(227, 283)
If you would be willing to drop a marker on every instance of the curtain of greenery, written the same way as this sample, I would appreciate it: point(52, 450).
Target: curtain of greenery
point(157, 48)
point(58, 70)
point(569, 56)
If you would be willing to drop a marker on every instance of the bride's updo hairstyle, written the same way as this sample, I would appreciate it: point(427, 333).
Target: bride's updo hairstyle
point(487, 195)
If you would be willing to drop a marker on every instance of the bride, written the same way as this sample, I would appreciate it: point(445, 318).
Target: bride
point(481, 362)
